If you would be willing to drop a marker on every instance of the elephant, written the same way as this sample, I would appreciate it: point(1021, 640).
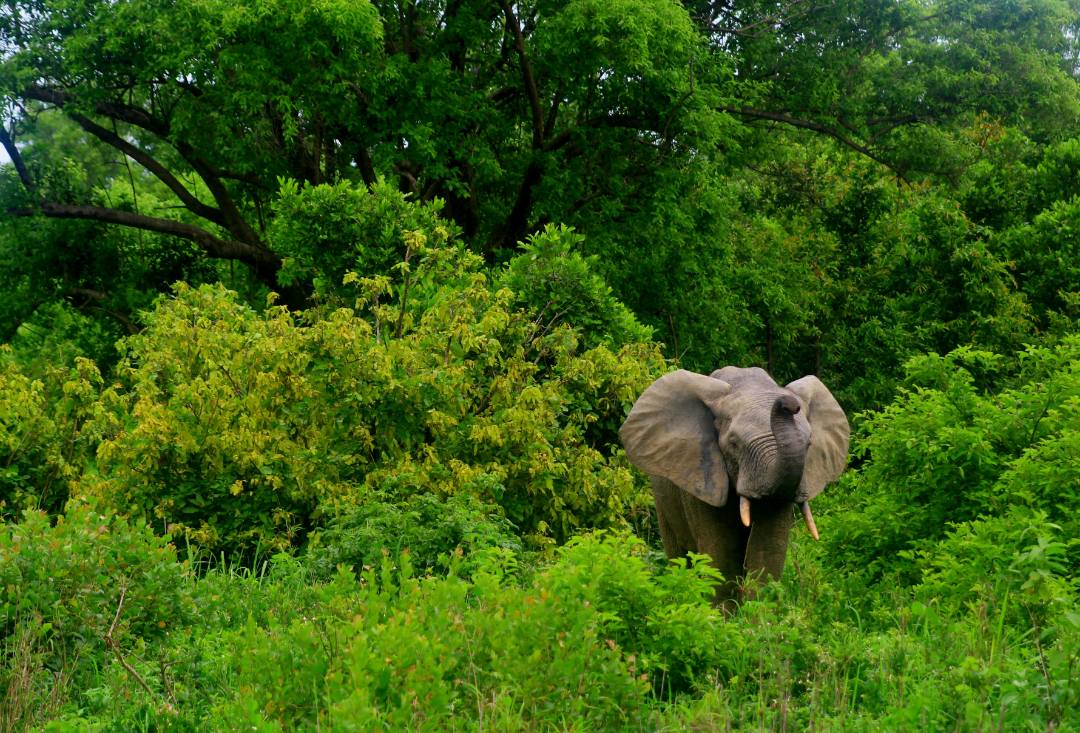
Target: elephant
point(698, 437)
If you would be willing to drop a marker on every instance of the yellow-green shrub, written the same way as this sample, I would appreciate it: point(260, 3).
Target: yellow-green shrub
point(238, 428)
point(44, 441)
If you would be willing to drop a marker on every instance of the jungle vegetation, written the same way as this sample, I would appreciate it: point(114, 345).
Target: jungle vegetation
point(319, 318)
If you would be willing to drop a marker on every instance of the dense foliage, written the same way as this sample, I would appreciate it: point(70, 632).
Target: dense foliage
point(240, 429)
point(321, 318)
point(750, 177)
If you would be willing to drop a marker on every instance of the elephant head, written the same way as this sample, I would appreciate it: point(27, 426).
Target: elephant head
point(736, 433)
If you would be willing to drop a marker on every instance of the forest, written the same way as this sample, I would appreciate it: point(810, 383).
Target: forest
point(320, 319)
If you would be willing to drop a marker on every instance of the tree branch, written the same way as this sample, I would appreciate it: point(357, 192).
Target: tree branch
point(17, 160)
point(365, 165)
point(211, 244)
point(149, 163)
point(233, 219)
point(515, 228)
point(244, 244)
point(766, 23)
point(813, 125)
point(120, 112)
point(628, 122)
point(531, 89)
point(228, 215)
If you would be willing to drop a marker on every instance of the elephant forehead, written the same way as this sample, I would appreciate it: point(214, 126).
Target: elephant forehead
point(754, 401)
point(754, 378)
point(752, 410)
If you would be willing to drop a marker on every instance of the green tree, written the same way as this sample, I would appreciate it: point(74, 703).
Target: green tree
point(895, 80)
point(704, 150)
point(205, 97)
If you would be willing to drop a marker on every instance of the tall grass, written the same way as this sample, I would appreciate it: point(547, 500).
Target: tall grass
point(605, 636)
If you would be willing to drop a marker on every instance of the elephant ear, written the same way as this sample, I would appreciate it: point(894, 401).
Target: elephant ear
point(670, 432)
point(829, 433)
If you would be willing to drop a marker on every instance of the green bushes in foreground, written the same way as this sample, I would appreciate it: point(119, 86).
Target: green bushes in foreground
point(602, 638)
point(75, 597)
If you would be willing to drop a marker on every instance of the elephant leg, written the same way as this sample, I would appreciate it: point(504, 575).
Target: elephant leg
point(766, 548)
point(674, 532)
point(719, 534)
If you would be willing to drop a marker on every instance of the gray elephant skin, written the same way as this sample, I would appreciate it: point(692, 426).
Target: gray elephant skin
point(730, 456)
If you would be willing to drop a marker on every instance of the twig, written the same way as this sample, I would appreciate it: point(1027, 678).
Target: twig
point(400, 327)
point(115, 647)
point(1052, 707)
point(166, 682)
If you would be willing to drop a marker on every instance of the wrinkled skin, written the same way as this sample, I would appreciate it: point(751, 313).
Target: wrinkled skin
point(730, 457)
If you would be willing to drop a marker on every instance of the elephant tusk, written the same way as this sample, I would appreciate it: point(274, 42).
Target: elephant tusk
point(744, 510)
point(805, 506)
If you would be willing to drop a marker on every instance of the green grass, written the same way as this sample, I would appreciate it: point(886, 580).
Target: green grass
point(601, 637)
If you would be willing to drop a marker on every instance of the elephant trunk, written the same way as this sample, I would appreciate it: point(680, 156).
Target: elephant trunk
point(791, 445)
point(782, 453)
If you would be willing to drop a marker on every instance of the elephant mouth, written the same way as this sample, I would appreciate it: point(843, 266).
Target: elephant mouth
point(804, 506)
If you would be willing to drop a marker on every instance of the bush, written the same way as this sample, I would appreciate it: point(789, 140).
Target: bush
point(1046, 253)
point(1014, 566)
point(71, 590)
point(575, 646)
point(56, 334)
point(45, 441)
point(665, 620)
point(438, 534)
point(551, 278)
point(325, 231)
point(239, 429)
point(951, 450)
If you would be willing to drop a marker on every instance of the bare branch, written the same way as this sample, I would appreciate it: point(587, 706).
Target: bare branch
point(213, 245)
point(16, 158)
point(531, 89)
point(151, 164)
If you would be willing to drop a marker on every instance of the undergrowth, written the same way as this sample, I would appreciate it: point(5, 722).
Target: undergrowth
point(603, 636)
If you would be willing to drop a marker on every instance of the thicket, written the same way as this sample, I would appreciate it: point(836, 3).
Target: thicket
point(311, 375)
point(600, 638)
point(385, 498)
point(241, 430)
